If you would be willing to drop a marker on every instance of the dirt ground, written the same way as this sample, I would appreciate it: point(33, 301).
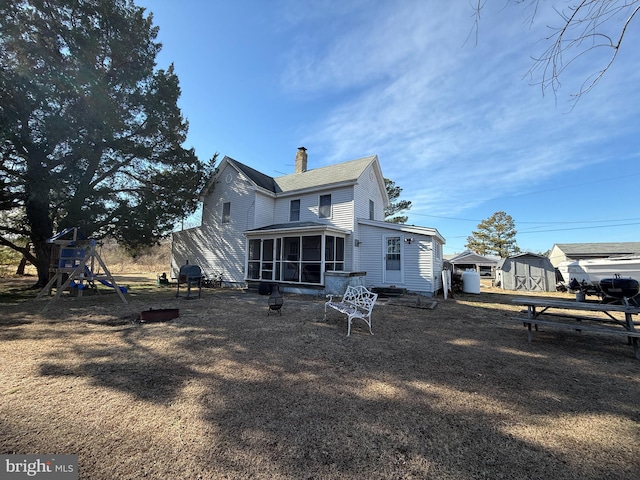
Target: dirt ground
point(227, 391)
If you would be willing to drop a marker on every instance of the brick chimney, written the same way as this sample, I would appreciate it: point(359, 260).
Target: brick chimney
point(301, 160)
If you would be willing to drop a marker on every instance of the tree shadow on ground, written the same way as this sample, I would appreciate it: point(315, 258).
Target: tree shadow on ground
point(431, 399)
point(452, 392)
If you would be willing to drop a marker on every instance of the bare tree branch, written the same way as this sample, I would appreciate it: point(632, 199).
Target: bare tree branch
point(25, 251)
point(588, 26)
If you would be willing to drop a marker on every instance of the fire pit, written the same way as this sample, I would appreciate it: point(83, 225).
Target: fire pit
point(275, 299)
point(160, 315)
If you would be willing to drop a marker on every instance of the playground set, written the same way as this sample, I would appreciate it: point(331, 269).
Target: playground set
point(75, 267)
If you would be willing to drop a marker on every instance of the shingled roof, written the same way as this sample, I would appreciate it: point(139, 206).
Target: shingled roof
point(341, 173)
point(599, 249)
point(333, 174)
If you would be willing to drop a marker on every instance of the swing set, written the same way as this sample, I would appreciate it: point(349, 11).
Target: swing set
point(75, 267)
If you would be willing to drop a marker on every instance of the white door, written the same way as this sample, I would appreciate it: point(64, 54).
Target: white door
point(392, 259)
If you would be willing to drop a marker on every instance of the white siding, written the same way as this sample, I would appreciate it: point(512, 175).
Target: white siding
point(421, 270)
point(341, 208)
point(367, 189)
point(218, 247)
point(281, 209)
point(369, 254)
point(205, 247)
point(307, 203)
point(237, 192)
point(187, 245)
point(557, 256)
point(264, 211)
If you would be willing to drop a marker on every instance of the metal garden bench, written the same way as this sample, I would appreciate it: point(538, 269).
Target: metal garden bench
point(357, 302)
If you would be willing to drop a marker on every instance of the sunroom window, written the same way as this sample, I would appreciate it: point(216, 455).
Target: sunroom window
point(334, 253)
point(295, 259)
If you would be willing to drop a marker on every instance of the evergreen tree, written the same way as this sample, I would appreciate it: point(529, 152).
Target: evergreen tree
point(496, 235)
point(395, 206)
point(90, 131)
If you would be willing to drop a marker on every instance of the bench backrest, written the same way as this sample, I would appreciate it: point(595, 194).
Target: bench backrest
point(360, 297)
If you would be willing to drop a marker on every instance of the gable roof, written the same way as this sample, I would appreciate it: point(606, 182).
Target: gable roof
point(612, 248)
point(527, 254)
point(524, 256)
point(259, 178)
point(469, 257)
point(347, 172)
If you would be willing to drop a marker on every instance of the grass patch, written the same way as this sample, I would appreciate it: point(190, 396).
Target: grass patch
point(227, 391)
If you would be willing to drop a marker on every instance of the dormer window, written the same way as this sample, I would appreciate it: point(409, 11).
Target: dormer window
point(324, 210)
point(294, 211)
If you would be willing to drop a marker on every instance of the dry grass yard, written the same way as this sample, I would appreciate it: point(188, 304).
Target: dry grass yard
point(226, 391)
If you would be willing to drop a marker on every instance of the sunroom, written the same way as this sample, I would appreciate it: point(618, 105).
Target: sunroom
point(298, 253)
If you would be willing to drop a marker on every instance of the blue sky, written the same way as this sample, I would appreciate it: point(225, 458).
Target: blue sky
point(456, 122)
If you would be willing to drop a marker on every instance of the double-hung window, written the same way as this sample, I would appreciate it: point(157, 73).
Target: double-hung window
point(226, 212)
point(294, 211)
point(324, 208)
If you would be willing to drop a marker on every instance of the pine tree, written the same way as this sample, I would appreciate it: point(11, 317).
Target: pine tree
point(393, 191)
point(495, 235)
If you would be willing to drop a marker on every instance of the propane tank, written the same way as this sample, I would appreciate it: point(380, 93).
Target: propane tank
point(470, 281)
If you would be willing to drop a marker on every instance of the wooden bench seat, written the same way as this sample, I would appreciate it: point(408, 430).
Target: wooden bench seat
point(555, 312)
point(577, 326)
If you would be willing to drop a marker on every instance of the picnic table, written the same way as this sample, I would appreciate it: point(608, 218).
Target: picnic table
point(578, 316)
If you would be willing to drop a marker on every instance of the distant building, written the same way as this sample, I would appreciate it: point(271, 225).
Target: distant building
point(526, 272)
point(468, 260)
point(569, 252)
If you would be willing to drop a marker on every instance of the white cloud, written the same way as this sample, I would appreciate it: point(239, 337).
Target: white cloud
point(447, 119)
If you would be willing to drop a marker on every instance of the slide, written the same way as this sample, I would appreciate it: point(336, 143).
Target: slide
point(108, 284)
point(79, 286)
point(102, 281)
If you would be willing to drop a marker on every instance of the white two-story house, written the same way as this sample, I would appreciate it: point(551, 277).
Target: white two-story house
point(305, 229)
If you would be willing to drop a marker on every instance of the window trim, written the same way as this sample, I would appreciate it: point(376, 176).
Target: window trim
point(323, 207)
point(292, 210)
point(302, 254)
point(226, 212)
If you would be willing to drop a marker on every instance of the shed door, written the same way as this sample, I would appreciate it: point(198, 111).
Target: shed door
point(392, 259)
point(529, 277)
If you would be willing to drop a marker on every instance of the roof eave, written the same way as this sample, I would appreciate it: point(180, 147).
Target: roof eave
point(318, 188)
point(305, 229)
point(401, 227)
